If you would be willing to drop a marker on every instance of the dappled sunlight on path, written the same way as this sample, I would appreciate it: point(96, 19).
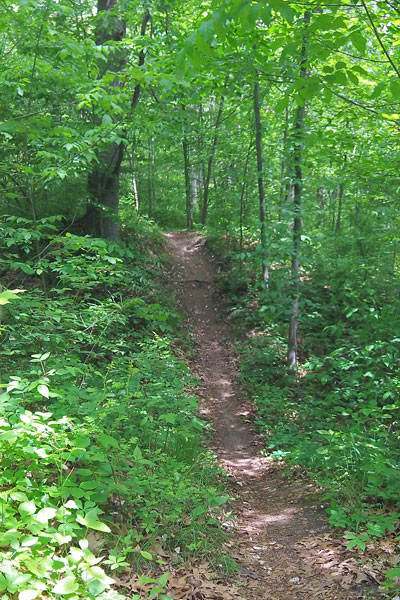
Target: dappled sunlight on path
point(280, 538)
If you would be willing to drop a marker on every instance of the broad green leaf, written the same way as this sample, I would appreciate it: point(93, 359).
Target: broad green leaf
point(395, 88)
point(43, 390)
point(8, 295)
point(9, 436)
point(62, 539)
point(71, 504)
point(358, 41)
point(169, 418)
point(98, 573)
point(163, 580)
point(27, 508)
point(196, 512)
point(137, 453)
point(107, 441)
point(219, 500)
point(282, 104)
point(68, 585)
point(45, 514)
point(28, 594)
point(91, 521)
point(29, 540)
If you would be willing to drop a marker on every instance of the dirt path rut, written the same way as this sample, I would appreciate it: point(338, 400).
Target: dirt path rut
point(280, 538)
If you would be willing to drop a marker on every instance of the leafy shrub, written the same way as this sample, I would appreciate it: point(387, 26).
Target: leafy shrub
point(98, 431)
point(338, 415)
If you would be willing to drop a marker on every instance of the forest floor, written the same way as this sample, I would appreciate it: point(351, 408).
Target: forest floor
point(279, 535)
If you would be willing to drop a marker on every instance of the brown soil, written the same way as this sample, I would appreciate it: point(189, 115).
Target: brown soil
point(280, 537)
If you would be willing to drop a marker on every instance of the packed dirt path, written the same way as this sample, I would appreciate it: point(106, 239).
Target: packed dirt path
point(280, 537)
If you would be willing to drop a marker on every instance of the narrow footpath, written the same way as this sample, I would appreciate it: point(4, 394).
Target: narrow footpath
point(280, 536)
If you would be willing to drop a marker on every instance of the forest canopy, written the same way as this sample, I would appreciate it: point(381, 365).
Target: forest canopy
point(273, 128)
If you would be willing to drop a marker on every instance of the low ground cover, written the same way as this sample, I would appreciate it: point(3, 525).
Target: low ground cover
point(337, 414)
point(103, 468)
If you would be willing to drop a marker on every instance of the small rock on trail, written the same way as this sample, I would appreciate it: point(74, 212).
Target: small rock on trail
point(281, 543)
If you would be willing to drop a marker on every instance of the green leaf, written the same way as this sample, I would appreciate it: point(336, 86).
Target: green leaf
point(146, 555)
point(90, 485)
point(219, 500)
point(98, 573)
point(282, 104)
point(169, 418)
point(196, 512)
point(378, 89)
point(163, 580)
point(27, 508)
point(29, 540)
point(9, 436)
point(68, 585)
point(29, 594)
point(393, 572)
point(137, 453)
point(3, 582)
point(8, 295)
point(43, 390)
point(91, 521)
point(287, 12)
point(395, 88)
point(45, 514)
point(107, 441)
point(358, 41)
point(26, 268)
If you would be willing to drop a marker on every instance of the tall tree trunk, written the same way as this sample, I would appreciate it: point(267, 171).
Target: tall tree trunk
point(188, 191)
point(242, 197)
point(298, 143)
point(210, 163)
point(341, 196)
point(284, 159)
point(150, 177)
point(260, 182)
point(103, 181)
point(195, 186)
point(340, 207)
point(321, 206)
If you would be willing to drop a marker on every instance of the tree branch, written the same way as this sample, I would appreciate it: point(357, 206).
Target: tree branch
point(136, 93)
point(378, 37)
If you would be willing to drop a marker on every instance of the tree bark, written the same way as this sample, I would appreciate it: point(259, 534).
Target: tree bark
point(321, 206)
point(260, 182)
point(340, 207)
point(103, 181)
point(195, 186)
point(150, 178)
point(188, 191)
point(242, 197)
point(210, 163)
point(298, 143)
point(284, 158)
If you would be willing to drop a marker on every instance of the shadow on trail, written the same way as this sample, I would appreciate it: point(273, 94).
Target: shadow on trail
point(280, 540)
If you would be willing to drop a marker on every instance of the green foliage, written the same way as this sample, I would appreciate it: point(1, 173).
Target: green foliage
point(98, 435)
point(338, 415)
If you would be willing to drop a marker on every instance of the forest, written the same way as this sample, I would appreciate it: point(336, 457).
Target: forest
point(265, 135)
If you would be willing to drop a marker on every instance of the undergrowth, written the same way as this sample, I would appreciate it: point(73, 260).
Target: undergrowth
point(100, 445)
point(337, 416)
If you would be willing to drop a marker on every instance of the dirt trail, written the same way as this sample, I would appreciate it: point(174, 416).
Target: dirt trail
point(280, 538)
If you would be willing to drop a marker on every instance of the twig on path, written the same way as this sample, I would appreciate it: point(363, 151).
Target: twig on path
point(192, 281)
